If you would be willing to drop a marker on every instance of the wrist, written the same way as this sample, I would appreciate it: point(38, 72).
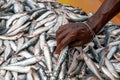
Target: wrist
point(95, 22)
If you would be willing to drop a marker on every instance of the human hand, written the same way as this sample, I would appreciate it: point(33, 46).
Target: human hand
point(73, 34)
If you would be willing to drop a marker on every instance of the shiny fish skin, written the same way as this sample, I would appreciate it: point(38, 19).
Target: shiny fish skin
point(111, 68)
point(18, 30)
point(51, 22)
point(115, 32)
point(21, 69)
point(46, 53)
point(28, 61)
point(13, 45)
point(38, 13)
point(62, 57)
point(52, 44)
point(91, 65)
point(7, 5)
point(31, 4)
point(26, 54)
point(111, 52)
point(12, 18)
point(63, 71)
point(43, 74)
point(4, 17)
point(76, 18)
point(74, 64)
point(29, 43)
point(11, 38)
point(15, 74)
point(40, 23)
point(39, 31)
point(7, 50)
point(107, 72)
point(18, 7)
point(19, 23)
point(37, 50)
point(44, 15)
point(20, 43)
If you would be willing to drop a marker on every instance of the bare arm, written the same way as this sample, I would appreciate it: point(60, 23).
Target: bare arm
point(106, 12)
point(77, 34)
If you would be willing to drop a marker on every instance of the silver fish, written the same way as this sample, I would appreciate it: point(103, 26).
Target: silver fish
point(28, 61)
point(111, 68)
point(29, 43)
point(19, 23)
point(91, 65)
point(21, 69)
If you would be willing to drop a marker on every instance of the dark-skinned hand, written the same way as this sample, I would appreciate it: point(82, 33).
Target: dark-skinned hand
point(72, 34)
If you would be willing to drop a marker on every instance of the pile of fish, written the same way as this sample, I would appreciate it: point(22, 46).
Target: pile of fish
point(28, 41)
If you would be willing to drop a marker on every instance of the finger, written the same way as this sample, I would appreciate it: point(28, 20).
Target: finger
point(61, 29)
point(61, 36)
point(77, 43)
point(63, 43)
point(64, 27)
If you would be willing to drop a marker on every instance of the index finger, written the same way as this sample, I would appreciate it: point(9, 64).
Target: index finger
point(63, 44)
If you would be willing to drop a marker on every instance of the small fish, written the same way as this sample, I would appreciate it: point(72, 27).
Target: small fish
point(19, 23)
point(26, 54)
point(44, 15)
point(115, 32)
point(18, 30)
point(39, 31)
point(49, 18)
point(5, 17)
point(31, 3)
point(11, 37)
point(107, 72)
point(91, 65)
point(28, 61)
point(63, 71)
point(38, 13)
point(107, 38)
point(47, 55)
point(29, 43)
point(43, 74)
point(62, 57)
point(112, 52)
point(20, 69)
point(114, 43)
point(14, 17)
point(20, 43)
point(94, 53)
point(74, 63)
point(111, 68)
point(76, 18)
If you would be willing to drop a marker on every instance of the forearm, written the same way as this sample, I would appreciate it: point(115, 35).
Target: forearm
point(106, 12)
